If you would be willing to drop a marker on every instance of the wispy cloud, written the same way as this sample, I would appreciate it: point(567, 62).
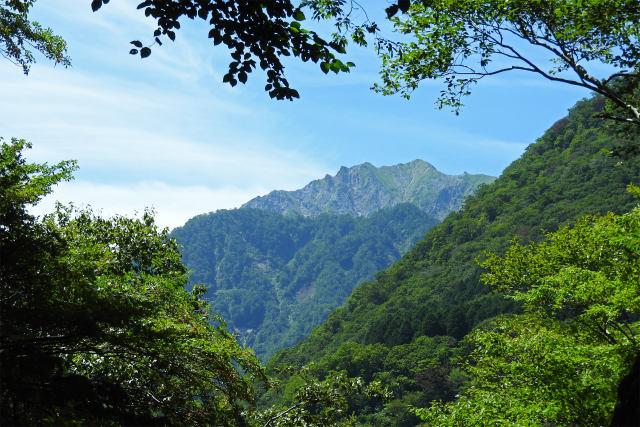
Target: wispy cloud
point(180, 147)
point(174, 205)
point(165, 132)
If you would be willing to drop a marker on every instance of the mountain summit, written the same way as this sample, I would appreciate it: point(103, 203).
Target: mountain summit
point(364, 189)
point(274, 277)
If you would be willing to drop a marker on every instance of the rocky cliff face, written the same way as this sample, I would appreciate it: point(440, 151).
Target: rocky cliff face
point(364, 189)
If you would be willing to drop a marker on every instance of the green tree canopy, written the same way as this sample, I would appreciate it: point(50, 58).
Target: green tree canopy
point(97, 327)
point(560, 363)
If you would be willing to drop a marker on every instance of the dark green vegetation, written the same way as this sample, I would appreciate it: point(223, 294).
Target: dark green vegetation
point(364, 189)
point(97, 328)
point(274, 277)
point(406, 327)
point(562, 360)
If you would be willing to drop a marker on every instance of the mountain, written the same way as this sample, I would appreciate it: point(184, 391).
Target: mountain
point(364, 189)
point(274, 277)
point(406, 328)
point(275, 270)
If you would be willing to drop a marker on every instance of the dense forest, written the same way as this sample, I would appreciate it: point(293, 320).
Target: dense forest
point(407, 328)
point(521, 308)
point(274, 277)
point(99, 328)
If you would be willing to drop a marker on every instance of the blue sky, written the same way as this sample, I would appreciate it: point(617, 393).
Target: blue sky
point(165, 132)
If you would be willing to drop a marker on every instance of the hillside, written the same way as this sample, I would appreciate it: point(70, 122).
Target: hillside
point(405, 327)
point(364, 189)
point(274, 277)
point(275, 268)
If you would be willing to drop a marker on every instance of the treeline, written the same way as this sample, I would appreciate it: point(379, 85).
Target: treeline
point(275, 277)
point(98, 328)
point(407, 328)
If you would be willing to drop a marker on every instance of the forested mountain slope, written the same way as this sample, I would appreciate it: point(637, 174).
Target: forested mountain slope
point(364, 189)
point(275, 272)
point(404, 327)
point(274, 277)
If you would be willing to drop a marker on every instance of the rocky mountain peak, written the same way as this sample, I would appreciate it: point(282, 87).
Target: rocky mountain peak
point(363, 189)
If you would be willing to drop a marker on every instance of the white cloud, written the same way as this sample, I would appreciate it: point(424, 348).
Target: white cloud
point(174, 205)
point(181, 147)
point(165, 132)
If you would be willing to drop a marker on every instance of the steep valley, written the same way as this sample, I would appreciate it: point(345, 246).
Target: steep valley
point(275, 270)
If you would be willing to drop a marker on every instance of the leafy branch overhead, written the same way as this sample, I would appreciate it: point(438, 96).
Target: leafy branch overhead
point(18, 36)
point(256, 33)
point(462, 42)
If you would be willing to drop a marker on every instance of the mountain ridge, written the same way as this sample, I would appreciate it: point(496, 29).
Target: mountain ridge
point(273, 277)
point(363, 189)
point(277, 266)
point(407, 327)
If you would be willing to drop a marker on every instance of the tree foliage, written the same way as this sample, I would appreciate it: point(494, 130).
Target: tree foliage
point(561, 40)
point(589, 272)
point(18, 35)
point(328, 402)
point(97, 327)
point(256, 33)
point(435, 289)
point(561, 362)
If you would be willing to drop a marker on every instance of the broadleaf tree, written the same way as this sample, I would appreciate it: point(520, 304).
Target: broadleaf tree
point(561, 362)
point(463, 42)
point(312, 402)
point(97, 327)
point(19, 35)
point(256, 33)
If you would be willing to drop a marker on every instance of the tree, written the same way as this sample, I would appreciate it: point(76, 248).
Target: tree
point(529, 371)
point(18, 35)
point(560, 362)
point(561, 40)
point(257, 33)
point(312, 402)
point(97, 327)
